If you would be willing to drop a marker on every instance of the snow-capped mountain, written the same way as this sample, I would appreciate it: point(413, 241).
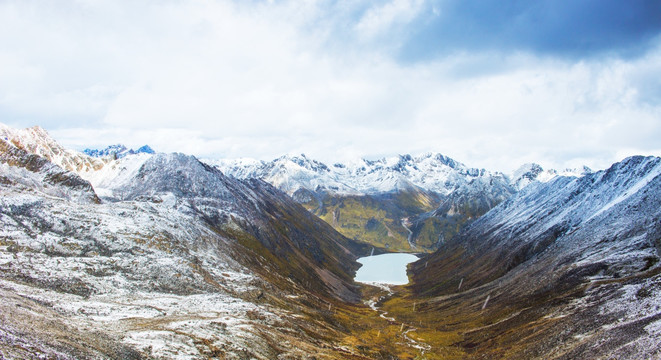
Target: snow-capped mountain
point(118, 151)
point(529, 173)
point(176, 260)
point(27, 171)
point(104, 173)
point(387, 193)
point(585, 249)
point(35, 140)
point(429, 172)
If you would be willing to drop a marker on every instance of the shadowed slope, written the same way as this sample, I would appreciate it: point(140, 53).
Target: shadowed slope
point(280, 233)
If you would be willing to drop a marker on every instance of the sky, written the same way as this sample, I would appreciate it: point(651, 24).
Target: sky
point(491, 83)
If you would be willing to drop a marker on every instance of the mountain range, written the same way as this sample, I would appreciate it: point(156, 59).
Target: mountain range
point(164, 256)
point(171, 251)
point(118, 151)
point(404, 203)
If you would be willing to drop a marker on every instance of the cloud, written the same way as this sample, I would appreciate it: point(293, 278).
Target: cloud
point(567, 28)
point(258, 79)
point(382, 19)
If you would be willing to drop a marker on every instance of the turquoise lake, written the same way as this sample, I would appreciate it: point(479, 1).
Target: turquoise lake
point(385, 268)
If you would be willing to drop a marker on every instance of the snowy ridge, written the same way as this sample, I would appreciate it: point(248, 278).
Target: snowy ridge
point(529, 173)
point(427, 172)
point(432, 172)
point(633, 189)
point(118, 151)
point(36, 140)
point(105, 174)
point(569, 202)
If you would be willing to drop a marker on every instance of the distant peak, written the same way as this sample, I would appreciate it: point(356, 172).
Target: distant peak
point(146, 149)
point(303, 161)
point(119, 151)
point(578, 172)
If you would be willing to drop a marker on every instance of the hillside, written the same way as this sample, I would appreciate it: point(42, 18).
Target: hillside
point(176, 260)
point(565, 269)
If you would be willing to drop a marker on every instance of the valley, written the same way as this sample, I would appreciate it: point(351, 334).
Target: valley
point(139, 254)
point(400, 204)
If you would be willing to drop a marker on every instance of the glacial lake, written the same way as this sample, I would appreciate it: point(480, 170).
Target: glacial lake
point(385, 268)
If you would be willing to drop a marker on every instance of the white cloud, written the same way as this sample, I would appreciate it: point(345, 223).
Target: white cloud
point(259, 80)
point(381, 18)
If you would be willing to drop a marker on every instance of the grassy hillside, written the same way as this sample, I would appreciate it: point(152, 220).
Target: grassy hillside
point(376, 220)
point(390, 220)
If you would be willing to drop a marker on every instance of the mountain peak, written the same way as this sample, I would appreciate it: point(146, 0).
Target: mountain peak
point(302, 161)
point(37, 141)
point(146, 149)
point(528, 170)
point(34, 139)
point(118, 151)
point(532, 172)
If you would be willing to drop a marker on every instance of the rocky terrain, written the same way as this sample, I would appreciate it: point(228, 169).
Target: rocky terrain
point(565, 269)
point(175, 261)
point(162, 256)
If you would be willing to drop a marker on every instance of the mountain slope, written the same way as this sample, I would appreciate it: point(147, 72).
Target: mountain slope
point(270, 223)
point(20, 168)
point(35, 140)
point(134, 280)
point(175, 261)
point(570, 266)
point(387, 202)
